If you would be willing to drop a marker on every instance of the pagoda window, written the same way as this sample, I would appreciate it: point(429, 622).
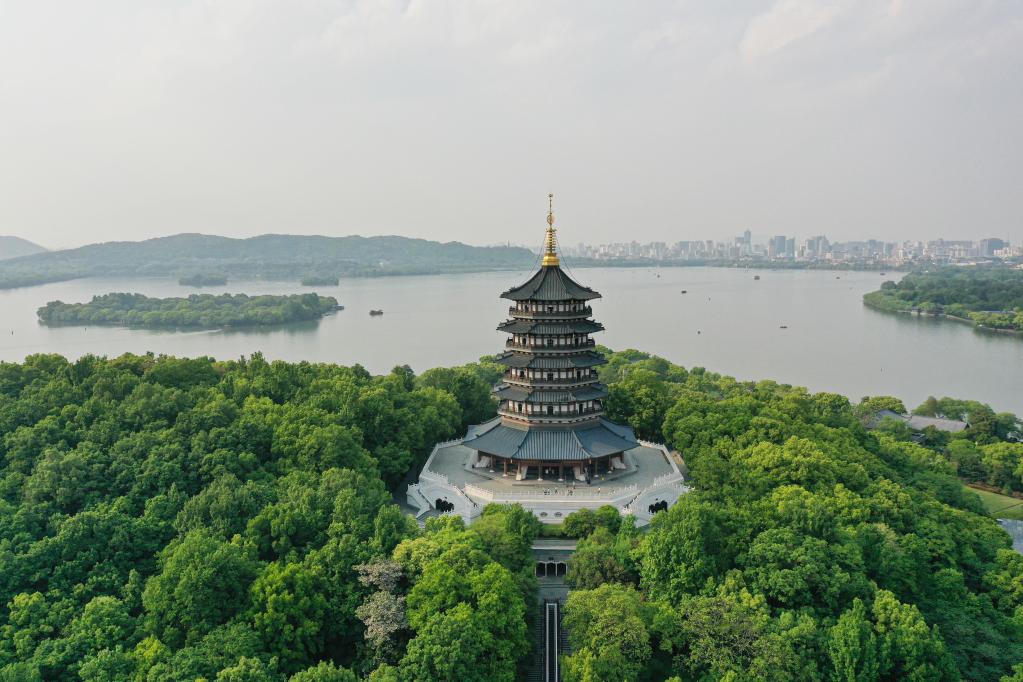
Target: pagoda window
point(550, 409)
point(550, 376)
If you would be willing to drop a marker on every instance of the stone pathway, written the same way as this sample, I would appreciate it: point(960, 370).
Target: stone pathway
point(549, 552)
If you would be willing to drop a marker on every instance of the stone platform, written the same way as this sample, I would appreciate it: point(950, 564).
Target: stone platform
point(651, 476)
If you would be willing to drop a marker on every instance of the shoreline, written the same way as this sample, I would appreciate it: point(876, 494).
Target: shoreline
point(946, 316)
point(587, 264)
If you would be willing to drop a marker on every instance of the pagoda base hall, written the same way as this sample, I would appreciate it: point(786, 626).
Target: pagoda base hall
point(549, 448)
point(580, 455)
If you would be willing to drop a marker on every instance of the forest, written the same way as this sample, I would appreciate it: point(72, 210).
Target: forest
point(178, 519)
point(990, 296)
point(198, 311)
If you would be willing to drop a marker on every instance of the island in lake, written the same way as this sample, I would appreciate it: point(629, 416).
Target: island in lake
point(990, 297)
point(320, 281)
point(203, 281)
point(198, 311)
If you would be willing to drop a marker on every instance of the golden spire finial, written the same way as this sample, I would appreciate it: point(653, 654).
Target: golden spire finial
point(550, 256)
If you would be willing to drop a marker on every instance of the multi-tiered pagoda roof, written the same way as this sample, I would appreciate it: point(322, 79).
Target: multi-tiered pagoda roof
point(551, 401)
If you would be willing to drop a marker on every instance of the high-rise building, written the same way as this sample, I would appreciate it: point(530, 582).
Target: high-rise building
point(776, 247)
point(816, 246)
point(988, 246)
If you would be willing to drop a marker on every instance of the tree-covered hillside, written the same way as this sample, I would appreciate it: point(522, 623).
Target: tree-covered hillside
point(810, 549)
point(272, 257)
point(171, 519)
point(991, 296)
point(16, 247)
point(199, 311)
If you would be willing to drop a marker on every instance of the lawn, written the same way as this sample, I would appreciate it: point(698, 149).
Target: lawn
point(1001, 506)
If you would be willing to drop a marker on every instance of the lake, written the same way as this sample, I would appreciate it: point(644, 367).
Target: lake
point(727, 322)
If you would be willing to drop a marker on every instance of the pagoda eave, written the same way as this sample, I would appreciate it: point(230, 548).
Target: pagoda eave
point(527, 360)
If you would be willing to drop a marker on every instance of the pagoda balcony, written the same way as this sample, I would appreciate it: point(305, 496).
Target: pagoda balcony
point(539, 418)
point(540, 347)
point(551, 315)
point(541, 383)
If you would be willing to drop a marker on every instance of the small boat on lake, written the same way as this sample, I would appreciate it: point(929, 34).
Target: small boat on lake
point(756, 276)
point(784, 326)
point(684, 291)
point(376, 312)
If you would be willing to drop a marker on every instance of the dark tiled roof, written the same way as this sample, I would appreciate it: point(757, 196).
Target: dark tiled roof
point(546, 395)
point(917, 422)
point(509, 392)
point(552, 445)
point(550, 284)
point(538, 327)
point(532, 361)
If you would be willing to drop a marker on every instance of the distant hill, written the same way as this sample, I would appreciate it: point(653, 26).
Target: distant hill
point(272, 257)
point(15, 247)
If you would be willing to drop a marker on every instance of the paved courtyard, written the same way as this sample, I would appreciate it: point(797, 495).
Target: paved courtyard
point(651, 480)
point(644, 465)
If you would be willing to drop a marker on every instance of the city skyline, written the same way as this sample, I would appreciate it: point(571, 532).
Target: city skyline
point(661, 121)
point(817, 248)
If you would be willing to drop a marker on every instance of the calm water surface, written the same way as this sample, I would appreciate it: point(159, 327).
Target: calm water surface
point(726, 322)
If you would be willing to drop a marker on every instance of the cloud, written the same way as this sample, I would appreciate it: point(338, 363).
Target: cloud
point(787, 22)
point(446, 118)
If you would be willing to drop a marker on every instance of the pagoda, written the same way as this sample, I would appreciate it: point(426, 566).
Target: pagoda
point(550, 424)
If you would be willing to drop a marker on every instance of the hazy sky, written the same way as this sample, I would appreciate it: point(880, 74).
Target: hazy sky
point(127, 119)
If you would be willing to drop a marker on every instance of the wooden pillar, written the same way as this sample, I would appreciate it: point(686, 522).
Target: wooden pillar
point(505, 463)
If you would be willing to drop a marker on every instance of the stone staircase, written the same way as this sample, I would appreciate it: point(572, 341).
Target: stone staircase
point(416, 499)
point(536, 670)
